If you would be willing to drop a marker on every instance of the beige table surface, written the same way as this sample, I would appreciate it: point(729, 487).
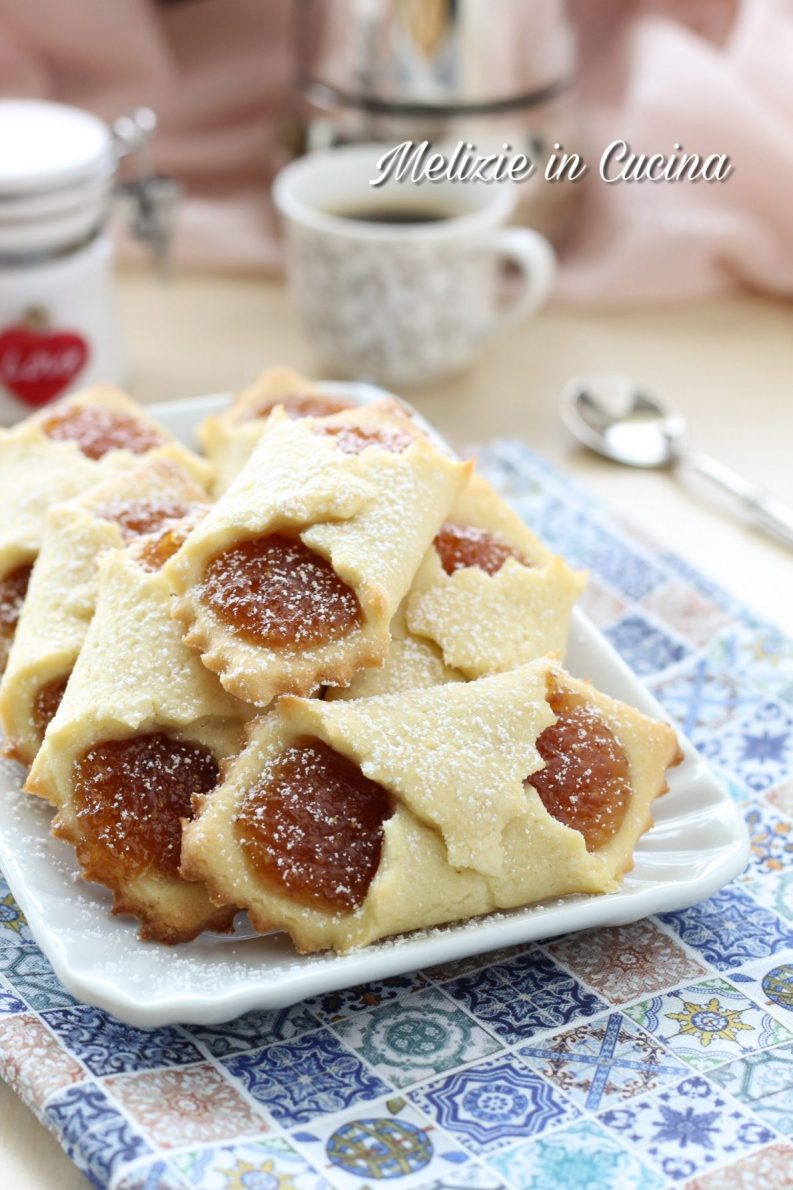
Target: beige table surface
point(727, 365)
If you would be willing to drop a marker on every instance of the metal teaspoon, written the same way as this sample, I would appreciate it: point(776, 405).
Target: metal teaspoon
point(618, 419)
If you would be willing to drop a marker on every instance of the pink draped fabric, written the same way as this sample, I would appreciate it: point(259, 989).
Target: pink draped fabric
point(714, 75)
point(217, 72)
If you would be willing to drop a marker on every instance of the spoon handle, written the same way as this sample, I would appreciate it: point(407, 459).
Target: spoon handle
point(765, 510)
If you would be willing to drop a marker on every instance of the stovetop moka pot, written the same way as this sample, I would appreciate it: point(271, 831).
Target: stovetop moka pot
point(489, 73)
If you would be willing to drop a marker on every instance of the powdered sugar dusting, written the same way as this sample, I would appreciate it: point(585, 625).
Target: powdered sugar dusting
point(460, 546)
point(313, 823)
point(352, 440)
point(97, 430)
point(585, 782)
point(275, 591)
point(130, 796)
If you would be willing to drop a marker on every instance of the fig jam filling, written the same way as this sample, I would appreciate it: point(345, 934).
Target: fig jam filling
point(275, 591)
point(130, 796)
point(147, 515)
point(460, 546)
point(353, 439)
point(586, 780)
point(297, 405)
point(97, 430)
point(313, 825)
point(45, 704)
point(13, 589)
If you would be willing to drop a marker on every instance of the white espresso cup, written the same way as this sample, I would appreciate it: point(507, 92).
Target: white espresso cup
point(409, 301)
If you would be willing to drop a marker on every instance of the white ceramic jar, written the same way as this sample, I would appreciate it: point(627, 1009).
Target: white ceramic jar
point(59, 328)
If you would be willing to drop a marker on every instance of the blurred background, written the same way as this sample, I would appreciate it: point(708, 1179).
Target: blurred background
point(684, 287)
point(239, 86)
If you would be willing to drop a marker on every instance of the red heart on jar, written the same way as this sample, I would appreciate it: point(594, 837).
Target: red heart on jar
point(37, 365)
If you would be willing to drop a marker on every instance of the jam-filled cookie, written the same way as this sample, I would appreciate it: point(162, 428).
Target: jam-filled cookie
point(292, 579)
point(348, 821)
point(56, 454)
point(411, 662)
point(155, 500)
point(229, 438)
point(488, 596)
point(282, 386)
point(106, 426)
point(142, 727)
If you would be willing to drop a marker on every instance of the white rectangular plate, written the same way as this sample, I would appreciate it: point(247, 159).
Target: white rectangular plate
point(697, 844)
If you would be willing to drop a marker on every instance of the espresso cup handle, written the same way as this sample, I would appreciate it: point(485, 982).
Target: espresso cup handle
point(536, 260)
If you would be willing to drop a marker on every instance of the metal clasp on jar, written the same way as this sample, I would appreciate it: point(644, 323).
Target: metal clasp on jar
point(149, 200)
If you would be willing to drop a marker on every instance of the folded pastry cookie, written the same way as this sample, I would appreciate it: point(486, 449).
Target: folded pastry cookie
point(56, 454)
point(412, 662)
point(298, 397)
point(107, 426)
point(142, 727)
point(293, 577)
point(348, 821)
point(156, 500)
point(229, 438)
point(488, 596)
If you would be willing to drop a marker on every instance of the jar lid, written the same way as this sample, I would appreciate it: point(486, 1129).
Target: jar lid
point(48, 146)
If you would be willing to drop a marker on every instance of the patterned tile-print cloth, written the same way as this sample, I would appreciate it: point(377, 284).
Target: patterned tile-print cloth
point(651, 1055)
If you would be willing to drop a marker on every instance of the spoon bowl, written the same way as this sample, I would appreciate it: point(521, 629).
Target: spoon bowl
point(616, 418)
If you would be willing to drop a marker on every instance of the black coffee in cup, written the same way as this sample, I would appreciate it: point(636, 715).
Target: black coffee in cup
point(402, 214)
